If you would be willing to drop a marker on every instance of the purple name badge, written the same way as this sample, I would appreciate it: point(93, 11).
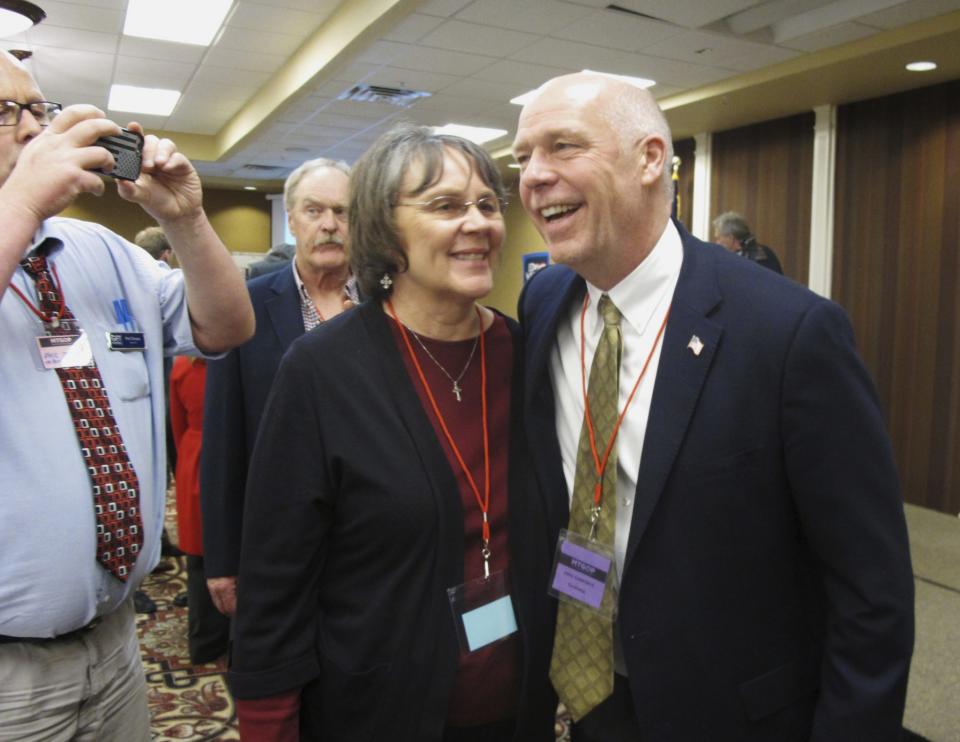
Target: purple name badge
point(581, 573)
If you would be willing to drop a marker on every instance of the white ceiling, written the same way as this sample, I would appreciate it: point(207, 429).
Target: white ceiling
point(471, 55)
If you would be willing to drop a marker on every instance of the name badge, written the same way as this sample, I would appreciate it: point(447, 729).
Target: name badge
point(126, 341)
point(482, 611)
point(65, 351)
point(585, 574)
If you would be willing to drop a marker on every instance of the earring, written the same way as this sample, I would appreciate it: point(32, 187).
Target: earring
point(386, 282)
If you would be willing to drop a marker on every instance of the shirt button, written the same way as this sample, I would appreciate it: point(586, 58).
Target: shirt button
point(627, 502)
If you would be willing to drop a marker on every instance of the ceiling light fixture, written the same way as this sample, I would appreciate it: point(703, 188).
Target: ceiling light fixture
point(16, 16)
point(475, 134)
point(249, 188)
point(640, 82)
point(180, 21)
point(133, 99)
point(922, 66)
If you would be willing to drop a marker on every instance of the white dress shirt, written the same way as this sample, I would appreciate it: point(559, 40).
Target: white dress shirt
point(643, 298)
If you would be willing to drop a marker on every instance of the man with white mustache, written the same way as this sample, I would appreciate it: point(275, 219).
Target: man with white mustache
point(287, 303)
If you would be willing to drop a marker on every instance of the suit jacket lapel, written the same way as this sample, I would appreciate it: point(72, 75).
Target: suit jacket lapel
point(283, 308)
point(680, 377)
point(400, 388)
point(541, 417)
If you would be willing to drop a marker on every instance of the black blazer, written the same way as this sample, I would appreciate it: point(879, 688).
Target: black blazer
point(767, 591)
point(351, 538)
point(236, 393)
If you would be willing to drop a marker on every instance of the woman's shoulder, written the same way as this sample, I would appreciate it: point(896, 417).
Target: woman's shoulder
point(349, 330)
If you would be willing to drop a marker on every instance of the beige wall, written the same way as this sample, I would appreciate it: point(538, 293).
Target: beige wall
point(522, 238)
point(241, 218)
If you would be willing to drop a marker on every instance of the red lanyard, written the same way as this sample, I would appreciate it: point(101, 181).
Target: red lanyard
point(599, 465)
point(48, 319)
point(483, 502)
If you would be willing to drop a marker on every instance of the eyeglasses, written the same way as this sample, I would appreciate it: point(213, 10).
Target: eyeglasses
point(42, 110)
point(453, 207)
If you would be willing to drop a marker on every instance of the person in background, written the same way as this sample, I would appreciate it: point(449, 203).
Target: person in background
point(85, 320)
point(208, 630)
point(732, 469)
point(278, 257)
point(287, 303)
point(155, 242)
point(731, 230)
point(389, 502)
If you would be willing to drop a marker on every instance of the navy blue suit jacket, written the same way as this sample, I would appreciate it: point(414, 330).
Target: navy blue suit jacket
point(767, 591)
point(236, 394)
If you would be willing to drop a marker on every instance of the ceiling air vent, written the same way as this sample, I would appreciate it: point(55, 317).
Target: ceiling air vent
point(381, 94)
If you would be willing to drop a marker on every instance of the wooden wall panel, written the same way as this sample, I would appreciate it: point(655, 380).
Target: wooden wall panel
point(897, 272)
point(765, 173)
point(685, 149)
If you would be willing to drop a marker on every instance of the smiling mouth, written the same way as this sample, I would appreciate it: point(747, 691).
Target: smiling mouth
point(552, 213)
point(470, 256)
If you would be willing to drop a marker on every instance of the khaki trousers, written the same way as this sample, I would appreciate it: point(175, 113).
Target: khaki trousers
point(89, 688)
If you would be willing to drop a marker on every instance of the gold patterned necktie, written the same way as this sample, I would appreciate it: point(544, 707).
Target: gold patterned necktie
point(581, 668)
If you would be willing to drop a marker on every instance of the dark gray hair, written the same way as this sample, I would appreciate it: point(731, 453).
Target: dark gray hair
point(731, 223)
point(375, 184)
point(293, 180)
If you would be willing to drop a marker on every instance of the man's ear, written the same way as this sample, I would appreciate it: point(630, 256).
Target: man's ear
point(652, 157)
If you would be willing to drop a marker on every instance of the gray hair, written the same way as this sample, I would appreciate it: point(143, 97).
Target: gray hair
point(293, 180)
point(731, 223)
point(375, 184)
point(633, 113)
point(153, 240)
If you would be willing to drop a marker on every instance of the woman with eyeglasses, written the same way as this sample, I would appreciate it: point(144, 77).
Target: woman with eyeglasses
point(393, 572)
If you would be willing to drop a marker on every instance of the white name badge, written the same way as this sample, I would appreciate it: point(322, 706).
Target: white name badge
point(65, 351)
point(482, 611)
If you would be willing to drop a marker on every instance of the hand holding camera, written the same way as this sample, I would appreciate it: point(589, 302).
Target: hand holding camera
point(127, 150)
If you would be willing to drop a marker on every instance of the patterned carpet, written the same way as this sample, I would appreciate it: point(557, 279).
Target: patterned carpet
point(187, 702)
point(190, 703)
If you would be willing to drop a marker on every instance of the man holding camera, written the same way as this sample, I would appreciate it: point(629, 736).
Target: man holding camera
point(85, 320)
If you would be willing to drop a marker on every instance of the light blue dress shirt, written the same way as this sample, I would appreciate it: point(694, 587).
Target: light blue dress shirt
point(50, 581)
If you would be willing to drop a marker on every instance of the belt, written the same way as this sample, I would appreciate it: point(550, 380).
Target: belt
point(76, 633)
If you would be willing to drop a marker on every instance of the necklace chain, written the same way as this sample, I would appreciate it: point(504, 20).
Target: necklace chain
point(457, 389)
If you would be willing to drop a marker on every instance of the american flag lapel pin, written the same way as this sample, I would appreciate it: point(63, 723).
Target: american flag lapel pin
point(696, 345)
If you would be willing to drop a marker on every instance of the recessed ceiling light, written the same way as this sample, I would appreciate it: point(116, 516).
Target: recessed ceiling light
point(180, 21)
point(476, 134)
point(16, 16)
point(922, 66)
point(640, 82)
point(522, 100)
point(132, 99)
point(249, 188)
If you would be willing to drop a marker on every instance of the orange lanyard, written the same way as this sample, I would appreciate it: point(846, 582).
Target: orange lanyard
point(483, 502)
point(599, 465)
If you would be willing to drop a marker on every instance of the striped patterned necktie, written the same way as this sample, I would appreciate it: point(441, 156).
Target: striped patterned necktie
point(116, 498)
point(581, 668)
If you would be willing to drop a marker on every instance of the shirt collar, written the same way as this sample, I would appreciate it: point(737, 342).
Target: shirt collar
point(301, 288)
point(645, 293)
point(44, 242)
